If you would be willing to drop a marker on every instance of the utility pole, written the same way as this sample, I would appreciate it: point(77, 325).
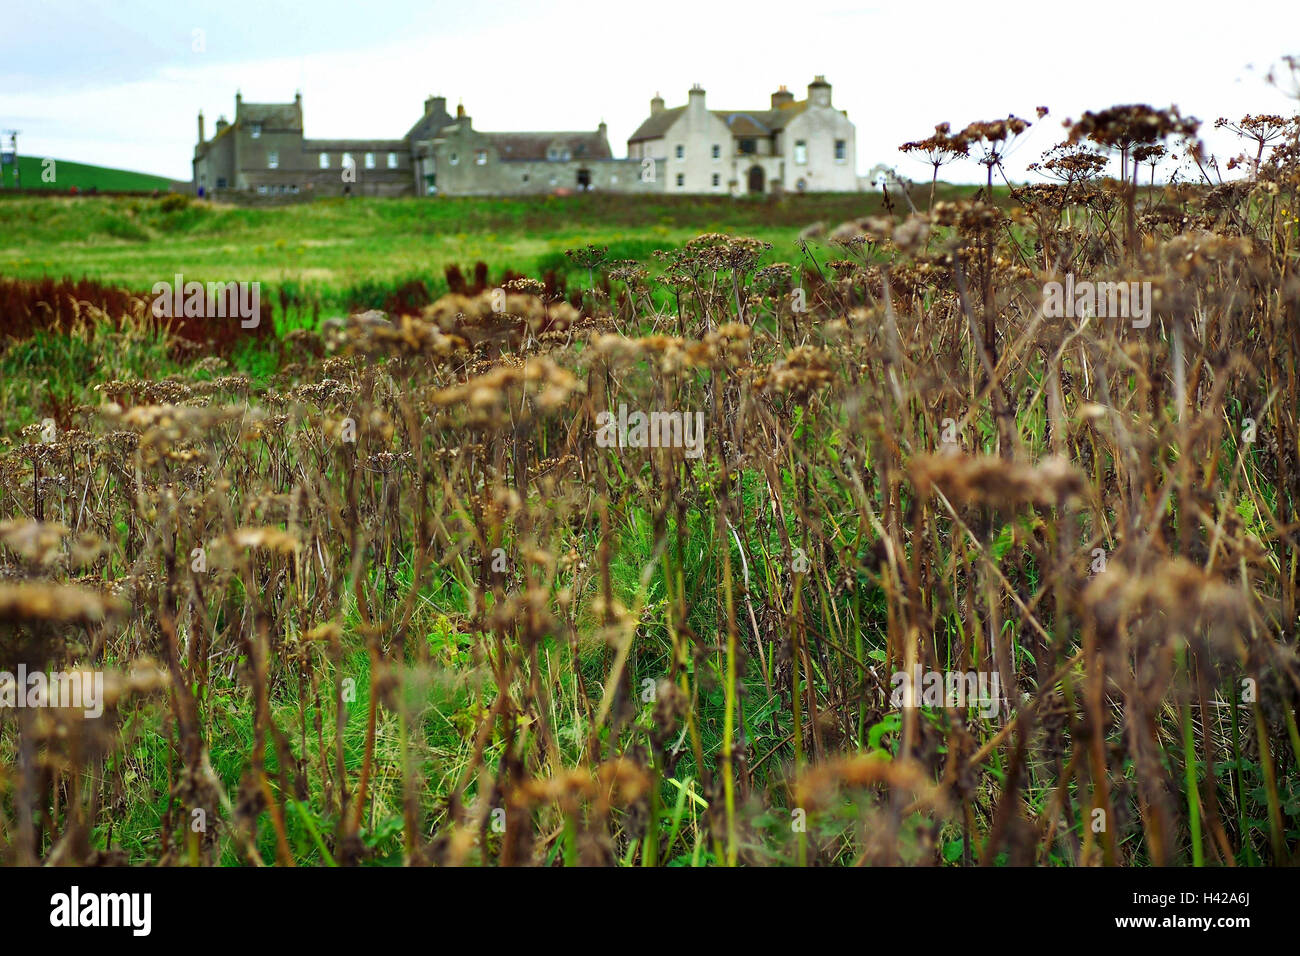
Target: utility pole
point(10, 158)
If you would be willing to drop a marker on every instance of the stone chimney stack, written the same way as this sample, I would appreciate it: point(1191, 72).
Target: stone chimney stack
point(781, 97)
point(695, 99)
point(656, 104)
point(200, 127)
point(435, 104)
point(460, 110)
point(819, 91)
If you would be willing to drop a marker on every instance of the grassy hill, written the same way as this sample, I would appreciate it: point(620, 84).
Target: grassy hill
point(82, 175)
point(335, 242)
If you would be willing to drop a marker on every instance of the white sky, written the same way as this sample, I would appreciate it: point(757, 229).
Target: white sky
point(118, 83)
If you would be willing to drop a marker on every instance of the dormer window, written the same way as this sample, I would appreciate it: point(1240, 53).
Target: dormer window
point(255, 130)
point(480, 157)
point(748, 146)
point(557, 154)
point(272, 160)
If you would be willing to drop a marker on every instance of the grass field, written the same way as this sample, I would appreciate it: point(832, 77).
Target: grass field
point(334, 245)
point(83, 176)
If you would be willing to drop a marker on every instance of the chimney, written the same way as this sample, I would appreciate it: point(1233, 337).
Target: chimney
point(819, 91)
point(200, 127)
point(602, 129)
point(656, 104)
point(695, 99)
point(435, 104)
point(460, 110)
point(239, 101)
point(221, 124)
point(297, 98)
point(782, 97)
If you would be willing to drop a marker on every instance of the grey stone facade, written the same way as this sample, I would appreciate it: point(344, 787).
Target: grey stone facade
point(264, 151)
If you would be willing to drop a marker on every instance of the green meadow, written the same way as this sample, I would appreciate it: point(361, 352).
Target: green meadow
point(332, 248)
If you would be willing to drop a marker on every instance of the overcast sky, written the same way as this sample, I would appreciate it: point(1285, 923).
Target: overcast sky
point(119, 83)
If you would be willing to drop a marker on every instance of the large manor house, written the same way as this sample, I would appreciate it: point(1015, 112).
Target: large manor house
point(795, 145)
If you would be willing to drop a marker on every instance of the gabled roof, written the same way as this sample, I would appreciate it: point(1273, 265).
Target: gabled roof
point(535, 145)
point(657, 124)
point(741, 122)
point(429, 124)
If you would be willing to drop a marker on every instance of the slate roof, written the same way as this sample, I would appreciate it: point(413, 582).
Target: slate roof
point(533, 146)
point(657, 124)
point(354, 145)
point(429, 124)
point(742, 122)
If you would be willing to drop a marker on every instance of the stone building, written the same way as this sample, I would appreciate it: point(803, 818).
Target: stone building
point(797, 145)
point(803, 145)
point(264, 151)
point(457, 160)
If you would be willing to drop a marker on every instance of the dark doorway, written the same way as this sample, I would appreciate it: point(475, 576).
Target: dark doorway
point(755, 179)
point(584, 179)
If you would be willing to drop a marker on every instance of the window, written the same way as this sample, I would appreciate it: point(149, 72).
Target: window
point(800, 152)
point(557, 154)
point(255, 130)
point(370, 160)
point(748, 146)
point(324, 160)
point(272, 160)
point(717, 180)
point(681, 151)
point(453, 159)
point(681, 179)
point(480, 157)
point(392, 160)
point(261, 190)
point(349, 162)
point(525, 177)
point(221, 182)
point(841, 150)
point(717, 151)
